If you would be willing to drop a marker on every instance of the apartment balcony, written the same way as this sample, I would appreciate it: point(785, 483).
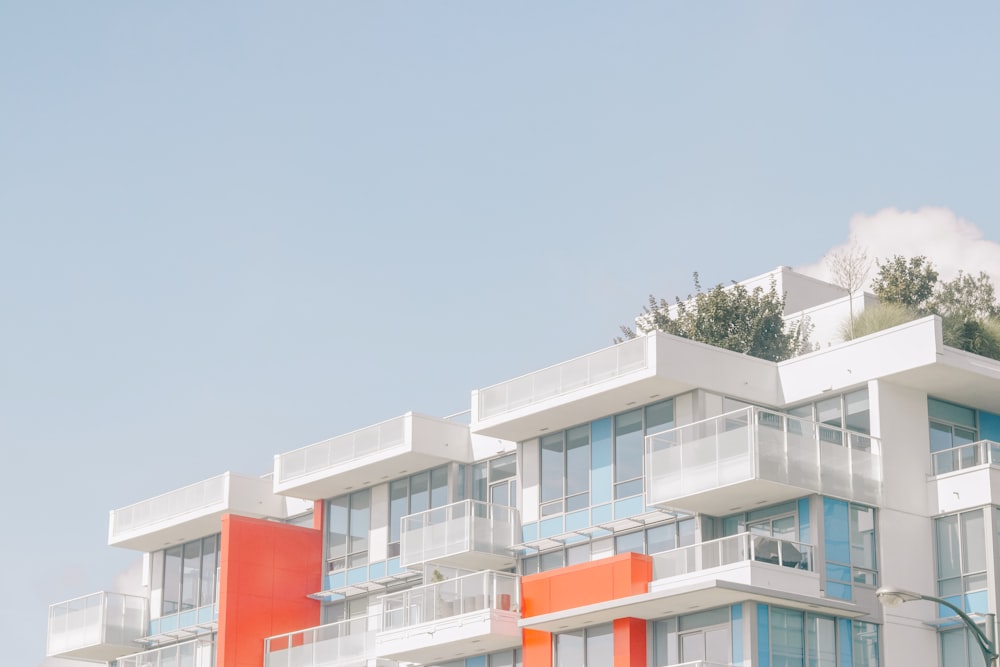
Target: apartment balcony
point(469, 534)
point(99, 627)
point(964, 477)
point(194, 653)
point(348, 643)
point(754, 456)
point(191, 512)
point(387, 450)
point(634, 372)
point(451, 619)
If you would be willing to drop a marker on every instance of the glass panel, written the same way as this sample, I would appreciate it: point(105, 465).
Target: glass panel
point(420, 492)
point(578, 554)
point(787, 638)
point(439, 487)
point(172, 580)
point(577, 460)
point(359, 521)
point(569, 649)
point(337, 527)
point(858, 415)
point(974, 548)
point(822, 640)
point(629, 542)
point(661, 538)
point(600, 646)
point(685, 533)
point(209, 563)
point(503, 467)
point(828, 412)
point(862, 537)
point(963, 436)
point(628, 446)
point(949, 412)
point(659, 417)
point(191, 576)
point(399, 496)
point(717, 645)
point(551, 560)
point(692, 647)
point(940, 438)
point(947, 543)
point(553, 467)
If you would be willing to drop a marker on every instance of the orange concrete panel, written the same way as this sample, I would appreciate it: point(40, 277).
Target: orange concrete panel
point(630, 642)
point(266, 571)
point(536, 648)
point(587, 583)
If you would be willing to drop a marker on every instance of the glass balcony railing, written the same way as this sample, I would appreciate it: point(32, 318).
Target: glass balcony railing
point(758, 444)
point(193, 653)
point(740, 548)
point(99, 619)
point(471, 593)
point(200, 495)
point(590, 369)
point(341, 449)
point(348, 641)
point(468, 527)
point(966, 456)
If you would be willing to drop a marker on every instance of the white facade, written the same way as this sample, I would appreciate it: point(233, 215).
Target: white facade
point(768, 501)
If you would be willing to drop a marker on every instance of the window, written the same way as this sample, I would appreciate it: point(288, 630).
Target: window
point(348, 523)
point(848, 411)
point(692, 638)
point(657, 539)
point(189, 575)
point(566, 460)
point(960, 541)
point(849, 539)
point(416, 493)
point(798, 639)
point(960, 649)
point(592, 646)
point(951, 427)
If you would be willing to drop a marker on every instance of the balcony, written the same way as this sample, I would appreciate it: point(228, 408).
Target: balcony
point(387, 450)
point(451, 619)
point(99, 627)
point(469, 534)
point(192, 511)
point(754, 456)
point(193, 653)
point(348, 643)
point(634, 372)
point(964, 477)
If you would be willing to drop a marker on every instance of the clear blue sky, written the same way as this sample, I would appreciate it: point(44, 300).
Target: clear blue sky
point(231, 229)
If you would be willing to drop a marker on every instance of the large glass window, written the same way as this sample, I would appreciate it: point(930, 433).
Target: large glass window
point(348, 524)
point(849, 540)
point(951, 427)
point(849, 411)
point(593, 647)
point(693, 638)
point(960, 541)
point(189, 575)
point(798, 639)
point(416, 493)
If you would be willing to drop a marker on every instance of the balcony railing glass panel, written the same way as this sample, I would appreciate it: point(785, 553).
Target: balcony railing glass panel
point(731, 550)
point(452, 597)
point(462, 527)
point(966, 456)
point(328, 645)
point(99, 618)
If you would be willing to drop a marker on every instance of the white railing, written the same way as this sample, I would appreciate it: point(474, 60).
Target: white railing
point(606, 364)
point(196, 496)
point(322, 646)
point(966, 456)
point(730, 550)
point(755, 443)
point(480, 591)
point(341, 449)
point(462, 527)
point(193, 653)
point(703, 663)
point(98, 618)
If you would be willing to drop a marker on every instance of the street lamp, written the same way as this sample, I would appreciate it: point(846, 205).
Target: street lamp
point(890, 596)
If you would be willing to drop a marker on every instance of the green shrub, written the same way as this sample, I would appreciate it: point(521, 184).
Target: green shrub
point(876, 318)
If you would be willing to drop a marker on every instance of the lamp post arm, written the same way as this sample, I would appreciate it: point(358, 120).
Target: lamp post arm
point(985, 643)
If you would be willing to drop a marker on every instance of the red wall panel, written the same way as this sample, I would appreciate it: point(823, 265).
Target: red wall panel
point(267, 570)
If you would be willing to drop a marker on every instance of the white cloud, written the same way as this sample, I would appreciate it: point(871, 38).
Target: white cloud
point(950, 242)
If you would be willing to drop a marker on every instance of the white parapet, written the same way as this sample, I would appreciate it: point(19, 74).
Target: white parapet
point(404, 444)
point(347, 643)
point(192, 511)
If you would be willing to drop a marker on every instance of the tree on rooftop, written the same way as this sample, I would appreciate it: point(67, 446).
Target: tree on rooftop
point(850, 269)
point(734, 318)
point(908, 282)
point(967, 297)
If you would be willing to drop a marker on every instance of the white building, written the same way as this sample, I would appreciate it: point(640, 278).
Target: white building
point(657, 502)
